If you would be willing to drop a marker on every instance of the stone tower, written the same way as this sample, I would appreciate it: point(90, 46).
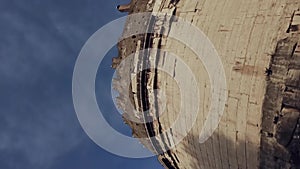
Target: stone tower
point(258, 45)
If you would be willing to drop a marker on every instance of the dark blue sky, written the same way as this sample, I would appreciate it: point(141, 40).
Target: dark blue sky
point(39, 43)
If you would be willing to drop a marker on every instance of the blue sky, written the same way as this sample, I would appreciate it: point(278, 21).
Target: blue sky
point(40, 41)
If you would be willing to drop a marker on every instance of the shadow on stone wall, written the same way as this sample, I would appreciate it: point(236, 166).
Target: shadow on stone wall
point(207, 158)
point(233, 155)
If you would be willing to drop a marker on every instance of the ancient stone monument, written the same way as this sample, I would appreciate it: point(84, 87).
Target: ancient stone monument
point(258, 45)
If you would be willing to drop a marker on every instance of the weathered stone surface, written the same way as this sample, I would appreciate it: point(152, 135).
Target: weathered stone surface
point(286, 126)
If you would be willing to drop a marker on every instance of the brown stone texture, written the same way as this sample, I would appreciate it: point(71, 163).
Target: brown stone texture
point(260, 127)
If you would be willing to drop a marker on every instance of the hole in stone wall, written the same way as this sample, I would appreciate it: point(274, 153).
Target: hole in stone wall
point(276, 119)
point(294, 28)
point(270, 134)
